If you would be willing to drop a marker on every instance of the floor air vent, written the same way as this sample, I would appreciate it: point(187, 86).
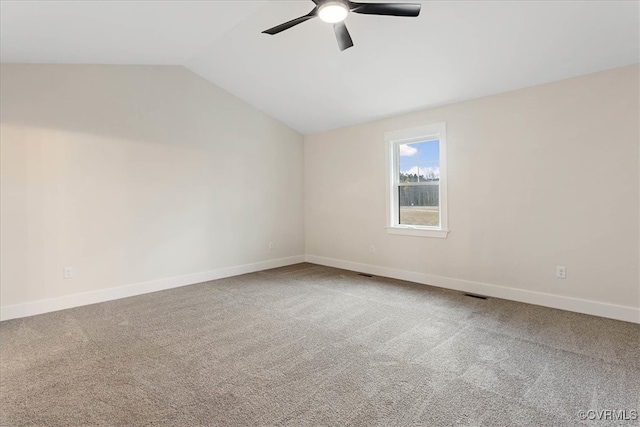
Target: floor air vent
point(475, 296)
point(364, 275)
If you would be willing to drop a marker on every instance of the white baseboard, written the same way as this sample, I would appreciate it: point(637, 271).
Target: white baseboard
point(86, 298)
point(611, 311)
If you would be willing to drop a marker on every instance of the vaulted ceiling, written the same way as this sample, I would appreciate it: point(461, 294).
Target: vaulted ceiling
point(455, 50)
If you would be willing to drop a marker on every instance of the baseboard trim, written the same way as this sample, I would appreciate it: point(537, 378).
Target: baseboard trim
point(611, 311)
point(86, 298)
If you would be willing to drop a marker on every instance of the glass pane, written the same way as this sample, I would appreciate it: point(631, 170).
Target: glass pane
point(419, 161)
point(420, 204)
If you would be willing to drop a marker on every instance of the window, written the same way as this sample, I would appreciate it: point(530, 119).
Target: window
point(417, 196)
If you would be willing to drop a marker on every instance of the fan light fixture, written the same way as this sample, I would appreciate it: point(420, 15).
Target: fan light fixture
point(336, 11)
point(333, 12)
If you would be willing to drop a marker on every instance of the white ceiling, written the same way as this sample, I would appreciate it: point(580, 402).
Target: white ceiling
point(455, 50)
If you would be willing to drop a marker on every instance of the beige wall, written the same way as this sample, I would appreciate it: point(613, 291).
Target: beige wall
point(131, 174)
point(539, 177)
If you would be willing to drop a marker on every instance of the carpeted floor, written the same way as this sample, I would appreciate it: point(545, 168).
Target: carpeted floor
point(316, 346)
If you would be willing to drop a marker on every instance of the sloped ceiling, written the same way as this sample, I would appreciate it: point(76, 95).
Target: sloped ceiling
point(455, 50)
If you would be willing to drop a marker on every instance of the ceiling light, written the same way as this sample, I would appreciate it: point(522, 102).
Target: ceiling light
point(333, 12)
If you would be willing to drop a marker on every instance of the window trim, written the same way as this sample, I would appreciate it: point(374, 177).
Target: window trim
point(403, 136)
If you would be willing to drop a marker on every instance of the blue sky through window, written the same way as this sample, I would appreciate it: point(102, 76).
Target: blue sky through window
point(420, 158)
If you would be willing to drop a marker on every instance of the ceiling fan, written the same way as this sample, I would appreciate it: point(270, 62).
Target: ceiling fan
point(336, 11)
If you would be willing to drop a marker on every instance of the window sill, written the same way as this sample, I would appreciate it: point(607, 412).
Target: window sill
point(418, 232)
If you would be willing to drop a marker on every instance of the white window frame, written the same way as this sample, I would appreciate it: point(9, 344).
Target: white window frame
point(404, 136)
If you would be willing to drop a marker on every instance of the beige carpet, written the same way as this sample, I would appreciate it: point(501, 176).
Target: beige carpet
point(315, 346)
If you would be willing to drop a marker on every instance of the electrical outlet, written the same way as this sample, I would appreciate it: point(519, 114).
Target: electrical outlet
point(271, 246)
point(372, 249)
point(561, 272)
point(68, 272)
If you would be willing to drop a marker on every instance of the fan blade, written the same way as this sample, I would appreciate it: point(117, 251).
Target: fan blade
point(343, 36)
point(279, 28)
point(394, 9)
